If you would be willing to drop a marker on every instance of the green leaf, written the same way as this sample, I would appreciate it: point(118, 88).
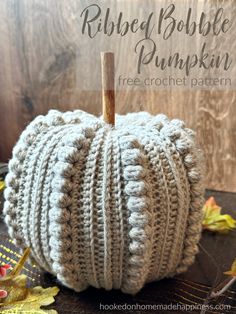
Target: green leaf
point(213, 220)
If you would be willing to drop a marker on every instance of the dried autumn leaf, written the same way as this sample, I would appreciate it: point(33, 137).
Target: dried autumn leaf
point(16, 290)
point(36, 297)
point(20, 298)
point(213, 220)
point(232, 271)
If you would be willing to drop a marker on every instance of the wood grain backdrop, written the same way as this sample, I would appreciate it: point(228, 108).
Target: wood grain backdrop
point(40, 68)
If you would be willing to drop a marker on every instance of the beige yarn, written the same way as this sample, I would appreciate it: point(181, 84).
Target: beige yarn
point(102, 206)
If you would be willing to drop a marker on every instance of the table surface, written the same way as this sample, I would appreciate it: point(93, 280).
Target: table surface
point(216, 255)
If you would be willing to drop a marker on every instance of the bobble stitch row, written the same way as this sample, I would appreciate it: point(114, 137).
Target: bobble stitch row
point(63, 215)
point(190, 156)
point(44, 152)
point(136, 118)
point(138, 201)
point(23, 146)
point(175, 181)
point(13, 179)
point(156, 179)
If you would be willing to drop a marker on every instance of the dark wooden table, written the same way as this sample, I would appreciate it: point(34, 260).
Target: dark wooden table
point(216, 255)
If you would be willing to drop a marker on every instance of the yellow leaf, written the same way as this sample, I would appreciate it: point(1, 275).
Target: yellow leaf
point(232, 271)
point(213, 220)
point(233, 267)
point(2, 185)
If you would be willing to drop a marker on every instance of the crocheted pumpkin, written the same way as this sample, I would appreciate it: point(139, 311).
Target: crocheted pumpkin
point(103, 206)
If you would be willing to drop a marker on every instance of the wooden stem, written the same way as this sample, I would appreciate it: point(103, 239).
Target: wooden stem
point(108, 87)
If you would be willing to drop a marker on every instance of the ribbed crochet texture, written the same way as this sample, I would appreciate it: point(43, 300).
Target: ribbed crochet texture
point(102, 206)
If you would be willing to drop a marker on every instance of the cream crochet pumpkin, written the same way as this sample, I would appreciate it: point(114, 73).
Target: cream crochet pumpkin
point(102, 206)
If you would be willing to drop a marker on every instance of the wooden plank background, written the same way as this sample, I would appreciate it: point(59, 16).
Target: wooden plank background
point(40, 68)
